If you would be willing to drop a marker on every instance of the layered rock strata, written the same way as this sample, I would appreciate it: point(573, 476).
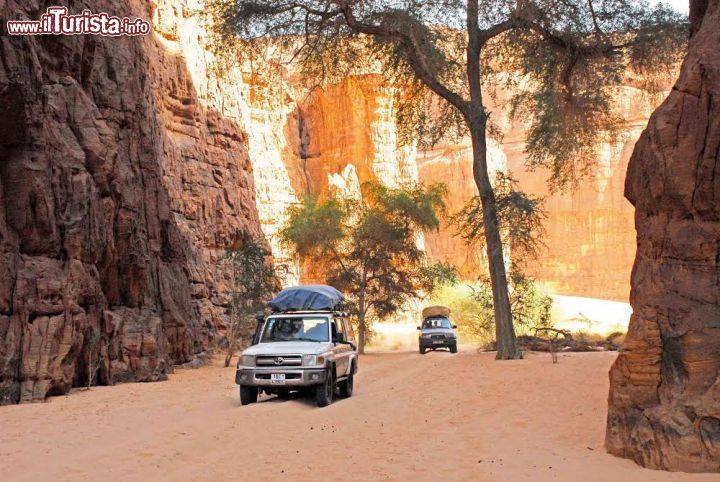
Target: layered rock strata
point(664, 401)
point(122, 179)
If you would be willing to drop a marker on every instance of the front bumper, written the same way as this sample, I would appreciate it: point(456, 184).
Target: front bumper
point(430, 343)
point(294, 377)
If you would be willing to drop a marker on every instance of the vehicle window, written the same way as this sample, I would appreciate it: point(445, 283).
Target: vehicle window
point(437, 323)
point(341, 327)
point(311, 328)
point(334, 328)
point(350, 331)
point(344, 324)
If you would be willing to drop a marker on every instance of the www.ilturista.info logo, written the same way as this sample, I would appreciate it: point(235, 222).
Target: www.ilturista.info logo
point(57, 22)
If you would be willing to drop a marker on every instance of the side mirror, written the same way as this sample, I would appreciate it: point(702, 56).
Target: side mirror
point(454, 326)
point(419, 328)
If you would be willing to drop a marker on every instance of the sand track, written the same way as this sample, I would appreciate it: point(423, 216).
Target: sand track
point(413, 417)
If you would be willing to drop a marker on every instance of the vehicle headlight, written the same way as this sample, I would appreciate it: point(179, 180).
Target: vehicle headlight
point(248, 360)
point(313, 360)
point(451, 335)
point(425, 335)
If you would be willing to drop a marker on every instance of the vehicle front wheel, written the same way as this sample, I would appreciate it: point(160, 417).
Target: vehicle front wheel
point(422, 350)
point(346, 386)
point(248, 395)
point(453, 348)
point(325, 391)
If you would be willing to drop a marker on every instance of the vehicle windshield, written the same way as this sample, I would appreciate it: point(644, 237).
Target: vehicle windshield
point(296, 328)
point(437, 323)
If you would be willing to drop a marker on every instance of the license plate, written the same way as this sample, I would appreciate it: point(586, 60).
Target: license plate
point(438, 342)
point(277, 378)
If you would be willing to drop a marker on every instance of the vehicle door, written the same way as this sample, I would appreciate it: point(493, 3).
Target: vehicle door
point(341, 350)
point(350, 336)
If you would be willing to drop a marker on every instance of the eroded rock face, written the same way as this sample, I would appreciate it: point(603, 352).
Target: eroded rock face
point(589, 239)
point(354, 123)
point(664, 401)
point(451, 164)
point(121, 182)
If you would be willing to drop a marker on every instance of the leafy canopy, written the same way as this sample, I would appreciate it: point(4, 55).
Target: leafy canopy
point(562, 60)
point(369, 249)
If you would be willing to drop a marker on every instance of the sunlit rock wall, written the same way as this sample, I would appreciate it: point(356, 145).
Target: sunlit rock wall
point(589, 239)
point(452, 165)
point(353, 123)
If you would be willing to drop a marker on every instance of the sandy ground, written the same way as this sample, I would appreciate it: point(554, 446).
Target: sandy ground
point(438, 416)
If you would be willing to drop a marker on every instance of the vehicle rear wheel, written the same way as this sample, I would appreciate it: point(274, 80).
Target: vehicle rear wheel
point(346, 386)
point(248, 395)
point(422, 350)
point(453, 348)
point(325, 391)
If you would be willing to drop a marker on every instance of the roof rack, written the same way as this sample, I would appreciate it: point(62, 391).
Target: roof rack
point(302, 312)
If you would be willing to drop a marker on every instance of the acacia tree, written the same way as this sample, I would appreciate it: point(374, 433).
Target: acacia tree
point(253, 281)
point(368, 249)
point(561, 57)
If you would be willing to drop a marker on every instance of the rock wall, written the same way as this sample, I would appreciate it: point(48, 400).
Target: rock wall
point(124, 173)
point(452, 164)
point(664, 401)
point(589, 241)
point(353, 123)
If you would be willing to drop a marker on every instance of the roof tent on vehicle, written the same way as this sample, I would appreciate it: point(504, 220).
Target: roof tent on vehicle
point(436, 312)
point(307, 298)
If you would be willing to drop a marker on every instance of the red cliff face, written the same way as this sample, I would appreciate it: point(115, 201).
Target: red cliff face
point(664, 402)
point(120, 184)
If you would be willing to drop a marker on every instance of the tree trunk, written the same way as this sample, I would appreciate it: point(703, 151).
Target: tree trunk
point(362, 312)
point(361, 330)
point(476, 118)
point(507, 348)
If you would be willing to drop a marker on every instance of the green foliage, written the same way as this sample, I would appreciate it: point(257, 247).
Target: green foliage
point(563, 61)
point(252, 274)
point(520, 219)
point(472, 307)
point(368, 249)
point(253, 281)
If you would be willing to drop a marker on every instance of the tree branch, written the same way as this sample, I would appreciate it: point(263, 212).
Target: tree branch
point(473, 52)
point(518, 21)
point(409, 43)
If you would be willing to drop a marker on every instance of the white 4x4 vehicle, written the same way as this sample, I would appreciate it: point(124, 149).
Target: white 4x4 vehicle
point(308, 350)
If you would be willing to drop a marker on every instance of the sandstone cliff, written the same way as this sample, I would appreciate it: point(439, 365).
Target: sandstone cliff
point(589, 241)
point(664, 402)
point(127, 166)
point(122, 178)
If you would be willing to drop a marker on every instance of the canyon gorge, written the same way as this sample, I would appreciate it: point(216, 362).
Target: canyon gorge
point(130, 164)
